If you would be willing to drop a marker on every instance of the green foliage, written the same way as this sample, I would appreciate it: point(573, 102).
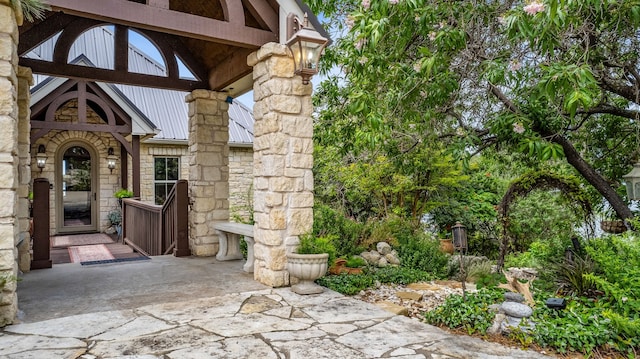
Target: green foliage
point(123, 193)
point(346, 233)
point(478, 270)
point(115, 217)
point(347, 284)
point(31, 9)
point(310, 244)
point(423, 253)
point(355, 262)
point(580, 327)
point(571, 276)
point(350, 284)
point(472, 314)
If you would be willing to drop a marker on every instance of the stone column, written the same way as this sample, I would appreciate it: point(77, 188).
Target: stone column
point(9, 234)
point(283, 160)
point(25, 80)
point(208, 168)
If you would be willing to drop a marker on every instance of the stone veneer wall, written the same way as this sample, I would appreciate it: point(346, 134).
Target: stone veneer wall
point(241, 183)
point(9, 157)
point(209, 168)
point(149, 151)
point(25, 80)
point(283, 160)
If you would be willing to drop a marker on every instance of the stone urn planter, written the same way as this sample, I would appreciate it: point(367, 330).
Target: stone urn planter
point(307, 268)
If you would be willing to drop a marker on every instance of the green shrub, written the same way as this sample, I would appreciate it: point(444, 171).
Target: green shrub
point(477, 270)
point(347, 284)
point(472, 314)
point(310, 244)
point(123, 193)
point(570, 275)
point(346, 233)
point(355, 262)
point(422, 253)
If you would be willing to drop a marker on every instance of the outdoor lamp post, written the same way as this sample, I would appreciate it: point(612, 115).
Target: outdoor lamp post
point(111, 160)
point(306, 45)
point(459, 236)
point(632, 182)
point(41, 157)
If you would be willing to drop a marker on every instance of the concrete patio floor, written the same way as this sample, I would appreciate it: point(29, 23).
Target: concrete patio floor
point(201, 308)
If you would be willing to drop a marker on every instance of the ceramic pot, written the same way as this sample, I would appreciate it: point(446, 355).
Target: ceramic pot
point(446, 245)
point(307, 268)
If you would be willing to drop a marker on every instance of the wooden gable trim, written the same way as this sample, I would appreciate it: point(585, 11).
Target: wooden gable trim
point(169, 21)
point(233, 68)
point(264, 14)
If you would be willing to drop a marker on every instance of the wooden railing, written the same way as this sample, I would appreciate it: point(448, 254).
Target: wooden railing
point(156, 230)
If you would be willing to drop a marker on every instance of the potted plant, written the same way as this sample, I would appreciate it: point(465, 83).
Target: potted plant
point(122, 193)
point(115, 218)
point(309, 262)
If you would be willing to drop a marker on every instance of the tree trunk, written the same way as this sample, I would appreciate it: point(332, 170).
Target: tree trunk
point(592, 176)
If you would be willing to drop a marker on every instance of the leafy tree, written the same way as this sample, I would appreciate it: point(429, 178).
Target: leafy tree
point(556, 79)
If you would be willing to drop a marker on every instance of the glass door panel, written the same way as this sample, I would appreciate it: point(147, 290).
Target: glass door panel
point(76, 187)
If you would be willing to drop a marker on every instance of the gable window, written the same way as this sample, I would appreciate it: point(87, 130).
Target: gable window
point(166, 173)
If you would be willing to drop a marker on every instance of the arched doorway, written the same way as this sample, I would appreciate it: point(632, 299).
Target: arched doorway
point(76, 181)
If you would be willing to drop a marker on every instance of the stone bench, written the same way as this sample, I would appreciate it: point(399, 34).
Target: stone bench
point(229, 234)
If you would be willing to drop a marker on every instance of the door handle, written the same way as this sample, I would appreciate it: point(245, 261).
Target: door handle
point(95, 196)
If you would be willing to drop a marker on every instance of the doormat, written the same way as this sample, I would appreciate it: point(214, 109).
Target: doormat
point(96, 252)
point(80, 240)
point(117, 260)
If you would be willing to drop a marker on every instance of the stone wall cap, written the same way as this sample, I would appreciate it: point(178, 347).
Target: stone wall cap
point(267, 50)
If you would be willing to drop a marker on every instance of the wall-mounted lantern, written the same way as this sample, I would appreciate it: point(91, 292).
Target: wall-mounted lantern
point(41, 157)
point(306, 45)
point(459, 237)
point(632, 182)
point(111, 159)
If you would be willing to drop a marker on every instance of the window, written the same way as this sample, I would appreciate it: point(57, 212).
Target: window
point(166, 173)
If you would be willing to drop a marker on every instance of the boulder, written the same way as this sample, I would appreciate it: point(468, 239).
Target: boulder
point(513, 297)
point(371, 257)
point(516, 310)
point(409, 295)
point(393, 258)
point(393, 308)
point(383, 248)
point(496, 326)
point(382, 262)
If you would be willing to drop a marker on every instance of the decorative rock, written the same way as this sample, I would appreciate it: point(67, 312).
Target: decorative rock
point(516, 310)
point(393, 308)
point(383, 248)
point(496, 326)
point(371, 257)
point(382, 262)
point(409, 295)
point(393, 258)
point(513, 297)
point(494, 307)
point(423, 286)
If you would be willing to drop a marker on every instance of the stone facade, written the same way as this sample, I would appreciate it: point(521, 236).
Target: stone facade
point(241, 183)
point(209, 168)
point(25, 80)
point(9, 159)
point(283, 160)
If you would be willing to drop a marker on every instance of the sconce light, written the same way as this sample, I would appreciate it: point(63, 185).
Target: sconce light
point(111, 160)
point(306, 45)
point(41, 157)
point(459, 237)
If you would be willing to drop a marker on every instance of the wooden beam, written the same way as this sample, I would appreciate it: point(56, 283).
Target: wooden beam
point(65, 126)
point(233, 68)
point(124, 167)
point(233, 11)
point(264, 14)
point(41, 32)
point(110, 76)
point(82, 102)
point(167, 21)
point(163, 4)
point(121, 49)
point(135, 163)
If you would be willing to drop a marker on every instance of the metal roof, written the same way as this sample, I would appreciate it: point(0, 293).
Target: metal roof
point(166, 109)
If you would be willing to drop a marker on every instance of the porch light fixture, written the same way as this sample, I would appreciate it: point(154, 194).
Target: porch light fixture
point(111, 160)
point(459, 237)
point(41, 157)
point(632, 182)
point(306, 45)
